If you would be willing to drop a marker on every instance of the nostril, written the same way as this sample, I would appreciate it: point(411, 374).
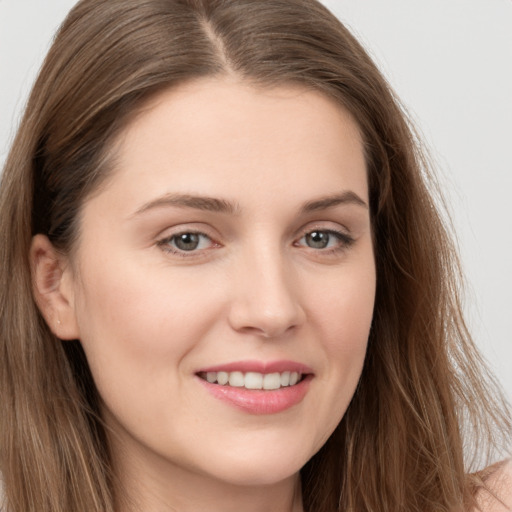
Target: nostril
point(249, 318)
point(268, 331)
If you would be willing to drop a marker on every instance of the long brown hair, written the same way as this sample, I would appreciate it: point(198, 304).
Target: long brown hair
point(424, 397)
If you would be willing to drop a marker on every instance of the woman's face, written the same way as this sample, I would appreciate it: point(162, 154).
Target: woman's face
point(232, 242)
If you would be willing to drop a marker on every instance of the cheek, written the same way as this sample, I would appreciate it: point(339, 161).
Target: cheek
point(343, 315)
point(137, 330)
point(348, 319)
point(137, 326)
point(138, 303)
point(343, 308)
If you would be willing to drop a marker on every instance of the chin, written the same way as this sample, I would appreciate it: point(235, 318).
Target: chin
point(247, 475)
point(267, 467)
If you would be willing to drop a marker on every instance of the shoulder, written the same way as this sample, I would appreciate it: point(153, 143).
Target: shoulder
point(495, 493)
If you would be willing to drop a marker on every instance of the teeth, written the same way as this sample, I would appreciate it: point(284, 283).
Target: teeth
point(236, 379)
point(272, 381)
point(222, 378)
point(253, 380)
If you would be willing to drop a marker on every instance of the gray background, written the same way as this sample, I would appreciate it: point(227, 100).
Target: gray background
point(450, 61)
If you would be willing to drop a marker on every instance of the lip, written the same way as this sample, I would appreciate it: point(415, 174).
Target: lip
point(259, 367)
point(259, 401)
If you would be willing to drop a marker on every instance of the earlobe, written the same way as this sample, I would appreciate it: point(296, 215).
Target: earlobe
point(53, 289)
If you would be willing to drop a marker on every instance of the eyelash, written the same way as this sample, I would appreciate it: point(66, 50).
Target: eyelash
point(165, 244)
point(344, 242)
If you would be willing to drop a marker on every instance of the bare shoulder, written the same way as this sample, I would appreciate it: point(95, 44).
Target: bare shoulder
point(497, 494)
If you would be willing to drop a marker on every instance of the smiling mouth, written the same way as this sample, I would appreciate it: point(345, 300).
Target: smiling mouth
point(253, 380)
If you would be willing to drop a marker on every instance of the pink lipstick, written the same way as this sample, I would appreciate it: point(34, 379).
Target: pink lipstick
point(258, 387)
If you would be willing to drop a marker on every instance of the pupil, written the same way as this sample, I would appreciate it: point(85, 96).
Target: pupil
point(317, 239)
point(187, 241)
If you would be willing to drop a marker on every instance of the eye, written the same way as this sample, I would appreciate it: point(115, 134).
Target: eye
point(325, 239)
point(187, 241)
point(318, 239)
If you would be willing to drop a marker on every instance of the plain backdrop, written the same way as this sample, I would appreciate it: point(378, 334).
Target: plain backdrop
point(450, 61)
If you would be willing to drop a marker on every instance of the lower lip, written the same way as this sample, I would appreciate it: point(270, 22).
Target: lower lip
point(260, 401)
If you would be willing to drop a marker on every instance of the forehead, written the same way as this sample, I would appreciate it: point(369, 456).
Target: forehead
point(223, 137)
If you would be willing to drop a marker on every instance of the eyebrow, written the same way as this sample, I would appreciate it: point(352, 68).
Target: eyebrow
point(324, 203)
point(213, 204)
point(209, 204)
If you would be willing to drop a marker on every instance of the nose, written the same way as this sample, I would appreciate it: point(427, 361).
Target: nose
point(266, 297)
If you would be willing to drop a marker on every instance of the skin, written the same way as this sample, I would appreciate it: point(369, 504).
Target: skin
point(150, 316)
point(498, 495)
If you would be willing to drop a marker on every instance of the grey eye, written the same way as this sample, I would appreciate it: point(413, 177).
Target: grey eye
point(317, 239)
point(187, 241)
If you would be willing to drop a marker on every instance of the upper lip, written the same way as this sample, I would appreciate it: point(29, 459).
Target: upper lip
point(259, 367)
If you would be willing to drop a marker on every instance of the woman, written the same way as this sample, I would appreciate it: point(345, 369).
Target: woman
point(225, 283)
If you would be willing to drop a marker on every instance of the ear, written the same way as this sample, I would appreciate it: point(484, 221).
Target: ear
point(53, 287)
